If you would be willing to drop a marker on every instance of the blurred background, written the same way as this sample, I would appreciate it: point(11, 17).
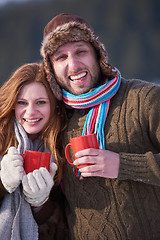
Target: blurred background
point(129, 29)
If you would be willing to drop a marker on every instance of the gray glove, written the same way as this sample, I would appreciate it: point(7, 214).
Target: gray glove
point(37, 185)
point(12, 170)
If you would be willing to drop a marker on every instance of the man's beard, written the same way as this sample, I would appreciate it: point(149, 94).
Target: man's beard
point(96, 81)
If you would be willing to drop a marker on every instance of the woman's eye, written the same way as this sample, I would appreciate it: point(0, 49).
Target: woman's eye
point(41, 102)
point(21, 103)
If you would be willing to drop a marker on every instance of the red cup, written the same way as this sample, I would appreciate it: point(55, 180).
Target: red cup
point(80, 143)
point(35, 160)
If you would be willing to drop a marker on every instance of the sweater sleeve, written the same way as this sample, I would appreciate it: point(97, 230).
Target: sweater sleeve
point(51, 218)
point(145, 167)
point(3, 192)
point(140, 167)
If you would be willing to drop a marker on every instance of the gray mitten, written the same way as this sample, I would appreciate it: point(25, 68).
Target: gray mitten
point(12, 170)
point(37, 185)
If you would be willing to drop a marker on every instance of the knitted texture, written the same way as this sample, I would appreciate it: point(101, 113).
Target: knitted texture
point(127, 207)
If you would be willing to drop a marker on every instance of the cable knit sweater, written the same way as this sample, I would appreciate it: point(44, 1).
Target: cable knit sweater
point(127, 207)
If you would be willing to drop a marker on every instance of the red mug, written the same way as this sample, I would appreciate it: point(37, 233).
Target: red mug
point(80, 143)
point(35, 160)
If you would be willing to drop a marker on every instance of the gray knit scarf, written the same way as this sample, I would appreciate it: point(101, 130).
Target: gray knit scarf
point(16, 218)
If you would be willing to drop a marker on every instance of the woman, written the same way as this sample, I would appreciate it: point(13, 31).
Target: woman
point(29, 120)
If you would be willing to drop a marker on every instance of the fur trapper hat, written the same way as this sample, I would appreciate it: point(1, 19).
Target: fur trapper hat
point(66, 28)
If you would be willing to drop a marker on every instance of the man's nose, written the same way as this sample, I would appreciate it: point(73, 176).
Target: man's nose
point(72, 63)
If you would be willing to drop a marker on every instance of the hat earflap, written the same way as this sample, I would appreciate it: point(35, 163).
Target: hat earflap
point(51, 79)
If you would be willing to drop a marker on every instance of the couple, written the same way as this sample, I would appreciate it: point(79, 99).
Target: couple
point(119, 195)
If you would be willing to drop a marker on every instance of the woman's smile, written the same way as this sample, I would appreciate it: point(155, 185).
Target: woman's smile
point(32, 109)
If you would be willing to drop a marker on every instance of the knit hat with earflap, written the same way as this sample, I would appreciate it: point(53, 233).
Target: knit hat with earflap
point(66, 28)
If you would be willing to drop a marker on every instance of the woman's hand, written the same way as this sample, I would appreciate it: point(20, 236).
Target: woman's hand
point(37, 185)
point(12, 170)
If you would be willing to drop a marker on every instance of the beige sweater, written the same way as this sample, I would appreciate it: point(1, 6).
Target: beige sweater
point(127, 207)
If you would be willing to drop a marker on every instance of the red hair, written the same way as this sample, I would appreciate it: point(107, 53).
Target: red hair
point(28, 73)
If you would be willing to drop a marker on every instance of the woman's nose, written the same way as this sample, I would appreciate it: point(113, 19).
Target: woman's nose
point(30, 109)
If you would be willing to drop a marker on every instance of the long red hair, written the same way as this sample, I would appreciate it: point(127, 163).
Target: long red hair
point(28, 73)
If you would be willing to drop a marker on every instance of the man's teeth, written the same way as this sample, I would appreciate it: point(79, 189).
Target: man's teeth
point(32, 120)
point(76, 77)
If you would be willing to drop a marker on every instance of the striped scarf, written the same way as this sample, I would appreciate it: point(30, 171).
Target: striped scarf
point(98, 100)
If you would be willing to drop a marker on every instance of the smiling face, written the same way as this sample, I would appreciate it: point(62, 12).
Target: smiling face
point(76, 67)
point(32, 109)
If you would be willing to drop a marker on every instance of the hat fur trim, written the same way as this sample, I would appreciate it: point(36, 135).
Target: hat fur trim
point(72, 32)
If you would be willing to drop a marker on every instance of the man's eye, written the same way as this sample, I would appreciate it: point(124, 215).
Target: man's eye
point(81, 51)
point(60, 58)
point(21, 103)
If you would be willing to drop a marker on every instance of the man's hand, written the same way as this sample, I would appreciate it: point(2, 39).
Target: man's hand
point(104, 163)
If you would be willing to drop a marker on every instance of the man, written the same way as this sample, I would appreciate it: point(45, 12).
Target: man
point(119, 194)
